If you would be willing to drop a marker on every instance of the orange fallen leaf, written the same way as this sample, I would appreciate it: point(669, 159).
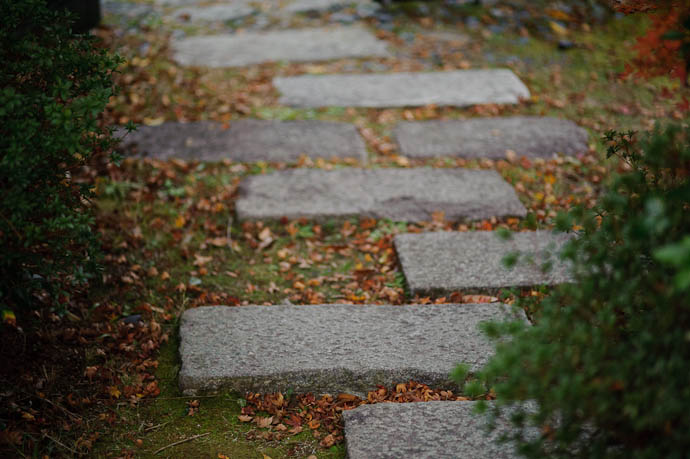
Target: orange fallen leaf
point(479, 299)
point(347, 397)
point(314, 424)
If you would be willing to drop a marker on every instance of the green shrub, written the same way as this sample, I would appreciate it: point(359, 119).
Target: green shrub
point(608, 359)
point(53, 87)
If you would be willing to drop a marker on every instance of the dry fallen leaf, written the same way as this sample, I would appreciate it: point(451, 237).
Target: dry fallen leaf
point(263, 422)
point(327, 441)
point(314, 424)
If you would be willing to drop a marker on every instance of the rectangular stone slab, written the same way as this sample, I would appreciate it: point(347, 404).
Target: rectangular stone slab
point(213, 13)
point(423, 430)
point(248, 141)
point(444, 262)
point(396, 194)
point(531, 136)
point(297, 45)
point(330, 348)
point(303, 6)
point(454, 88)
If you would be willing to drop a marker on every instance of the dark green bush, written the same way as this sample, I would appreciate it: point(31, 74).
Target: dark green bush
point(53, 87)
point(608, 359)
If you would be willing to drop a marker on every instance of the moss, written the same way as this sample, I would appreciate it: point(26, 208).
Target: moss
point(165, 420)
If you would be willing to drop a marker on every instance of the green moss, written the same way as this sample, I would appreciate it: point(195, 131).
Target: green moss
point(165, 420)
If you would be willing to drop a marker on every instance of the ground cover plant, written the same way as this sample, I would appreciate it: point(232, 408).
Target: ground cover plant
point(171, 242)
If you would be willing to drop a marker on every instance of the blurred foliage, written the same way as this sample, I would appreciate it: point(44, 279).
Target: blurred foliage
point(608, 356)
point(54, 87)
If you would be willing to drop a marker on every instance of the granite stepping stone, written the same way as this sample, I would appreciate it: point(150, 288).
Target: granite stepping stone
point(452, 88)
point(297, 45)
point(213, 13)
point(396, 194)
point(444, 262)
point(531, 136)
point(248, 141)
point(303, 6)
point(331, 348)
point(438, 429)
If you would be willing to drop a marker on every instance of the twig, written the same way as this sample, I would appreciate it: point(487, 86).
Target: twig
point(65, 410)
point(189, 396)
point(228, 231)
point(156, 426)
point(181, 441)
point(57, 442)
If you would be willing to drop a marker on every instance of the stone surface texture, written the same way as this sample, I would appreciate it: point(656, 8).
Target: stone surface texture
point(248, 141)
point(302, 6)
point(423, 430)
point(451, 88)
point(330, 348)
point(213, 13)
point(445, 261)
point(396, 194)
point(296, 45)
point(529, 136)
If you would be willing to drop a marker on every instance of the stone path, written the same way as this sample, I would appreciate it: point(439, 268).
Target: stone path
point(422, 430)
point(301, 45)
point(444, 262)
point(396, 194)
point(453, 88)
point(248, 141)
point(338, 348)
point(491, 137)
point(330, 348)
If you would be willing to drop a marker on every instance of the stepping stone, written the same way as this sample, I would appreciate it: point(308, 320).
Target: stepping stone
point(249, 140)
point(423, 430)
point(213, 13)
point(455, 88)
point(299, 45)
point(396, 194)
point(531, 136)
point(331, 348)
point(444, 262)
point(303, 6)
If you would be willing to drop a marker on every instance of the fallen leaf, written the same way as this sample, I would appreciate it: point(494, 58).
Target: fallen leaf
point(114, 391)
point(347, 397)
point(200, 260)
point(245, 418)
point(327, 441)
point(263, 422)
point(314, 424)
